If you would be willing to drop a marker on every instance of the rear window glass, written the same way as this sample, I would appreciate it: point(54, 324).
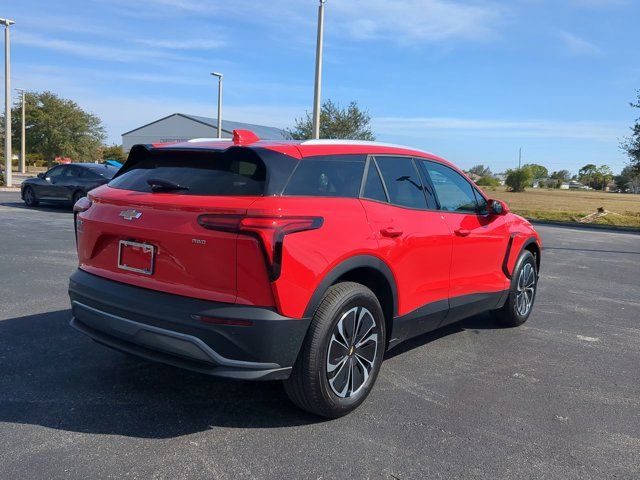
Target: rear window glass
point(327, 177)
point(233, 172)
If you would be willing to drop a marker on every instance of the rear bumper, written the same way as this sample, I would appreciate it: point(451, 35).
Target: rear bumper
point(161, 327)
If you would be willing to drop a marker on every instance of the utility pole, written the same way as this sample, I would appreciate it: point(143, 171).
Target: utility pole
point(7, 100)
point(520, 158)
point(23, 143)
point(318, 84)
point(219, 75)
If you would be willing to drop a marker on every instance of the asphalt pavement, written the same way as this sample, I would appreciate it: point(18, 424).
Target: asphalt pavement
point(558, 398)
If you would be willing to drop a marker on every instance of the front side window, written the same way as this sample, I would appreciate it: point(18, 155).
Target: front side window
point(72, 172)
point(327, 177)
point(454, 192)
point(402, 181)
point(482, 202)
point(55, 172)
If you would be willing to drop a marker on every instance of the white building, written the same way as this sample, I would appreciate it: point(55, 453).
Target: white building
point(180, 127)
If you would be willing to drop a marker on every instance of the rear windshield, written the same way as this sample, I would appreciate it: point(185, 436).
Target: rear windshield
point(232, 172)
point(328, 176)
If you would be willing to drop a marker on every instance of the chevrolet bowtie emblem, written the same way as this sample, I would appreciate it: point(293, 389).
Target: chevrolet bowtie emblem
point(130, 214)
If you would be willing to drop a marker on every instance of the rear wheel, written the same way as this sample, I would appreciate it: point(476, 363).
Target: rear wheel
point(524, 283)
point(342, 353)
point(29, 197)
point(77, 195)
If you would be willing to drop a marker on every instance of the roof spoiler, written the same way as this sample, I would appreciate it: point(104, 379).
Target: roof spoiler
point(244, 137)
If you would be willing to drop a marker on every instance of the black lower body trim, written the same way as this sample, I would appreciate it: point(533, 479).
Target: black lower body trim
point(443, 312)
point(166, 328)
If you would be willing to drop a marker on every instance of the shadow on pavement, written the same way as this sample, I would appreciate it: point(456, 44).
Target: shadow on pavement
point(483, 321)
point(55, 377)
point(62, 207)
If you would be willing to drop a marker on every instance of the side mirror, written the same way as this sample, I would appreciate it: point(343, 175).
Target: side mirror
point(41, 175)
point(498, 207)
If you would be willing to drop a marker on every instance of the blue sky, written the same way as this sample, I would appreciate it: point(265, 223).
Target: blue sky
point(469, 80)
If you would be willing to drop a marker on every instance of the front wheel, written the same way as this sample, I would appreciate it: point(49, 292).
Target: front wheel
point(342, 353)
point(522, 293)
point(29, 197)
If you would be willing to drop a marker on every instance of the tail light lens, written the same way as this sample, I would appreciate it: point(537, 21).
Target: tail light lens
point(269, 230)
point(80, 206)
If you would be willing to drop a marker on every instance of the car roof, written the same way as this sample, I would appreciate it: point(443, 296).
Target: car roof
point(299, 148)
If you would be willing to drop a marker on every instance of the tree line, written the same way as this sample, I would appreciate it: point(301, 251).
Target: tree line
point(58, 127)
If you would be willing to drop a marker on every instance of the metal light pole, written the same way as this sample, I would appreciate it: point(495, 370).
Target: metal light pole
point(219, 75)
point(7, 100)
point(23, 143)
point(318, 86)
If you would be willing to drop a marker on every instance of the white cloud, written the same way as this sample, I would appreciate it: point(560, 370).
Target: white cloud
point(414, 21)
point(92, 51)
point(193, 44)
point(415, 127)
point(579, 46)
point(399, 21)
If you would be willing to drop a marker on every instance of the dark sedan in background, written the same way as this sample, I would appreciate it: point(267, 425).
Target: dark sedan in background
point(65, 183)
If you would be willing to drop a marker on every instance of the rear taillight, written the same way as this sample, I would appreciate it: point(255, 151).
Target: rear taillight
point(80, 206)
point(270, 230)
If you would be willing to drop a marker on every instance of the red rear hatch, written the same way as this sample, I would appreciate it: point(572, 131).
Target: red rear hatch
point(143, 228)
point(182, 257)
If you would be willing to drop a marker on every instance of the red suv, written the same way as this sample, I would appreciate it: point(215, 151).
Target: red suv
point(299, 261)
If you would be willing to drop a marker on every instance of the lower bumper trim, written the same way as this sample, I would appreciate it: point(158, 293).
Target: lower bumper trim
point(166, 346)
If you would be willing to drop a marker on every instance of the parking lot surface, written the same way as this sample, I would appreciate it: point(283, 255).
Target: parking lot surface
point(556, 398)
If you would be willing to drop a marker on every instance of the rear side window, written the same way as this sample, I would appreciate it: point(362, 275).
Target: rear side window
point(334, 176)
point(403, 182)
point(232, 172)
point(100, 171)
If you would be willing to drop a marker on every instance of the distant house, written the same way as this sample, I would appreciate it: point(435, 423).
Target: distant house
point(473, 176)
point(180, 127)
point(574, 185)
point(502, 177)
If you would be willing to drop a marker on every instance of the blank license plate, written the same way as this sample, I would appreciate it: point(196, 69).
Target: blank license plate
point(136, 257)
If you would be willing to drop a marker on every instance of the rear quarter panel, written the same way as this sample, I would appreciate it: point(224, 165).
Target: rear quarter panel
point(309, 256)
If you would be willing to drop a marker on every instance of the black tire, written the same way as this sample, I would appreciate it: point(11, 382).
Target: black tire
point(513, 313)
point(29, 197)
point(77, 195)
point(309, 386)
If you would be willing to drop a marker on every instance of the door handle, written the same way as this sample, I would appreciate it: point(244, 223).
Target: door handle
point(462, 232)
point(391, 232)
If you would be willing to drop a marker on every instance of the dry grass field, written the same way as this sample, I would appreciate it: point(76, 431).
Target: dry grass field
point(570, 205)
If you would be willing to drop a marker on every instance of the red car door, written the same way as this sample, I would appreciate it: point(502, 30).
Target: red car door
point(479, 239)
point(413, 239)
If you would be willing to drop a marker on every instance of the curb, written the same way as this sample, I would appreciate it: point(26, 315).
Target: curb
point(9, 189)
point(586, 226)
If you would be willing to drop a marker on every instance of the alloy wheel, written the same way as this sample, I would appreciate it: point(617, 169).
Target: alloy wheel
point(29, 196)
point(526, 289)
point(352, 352)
